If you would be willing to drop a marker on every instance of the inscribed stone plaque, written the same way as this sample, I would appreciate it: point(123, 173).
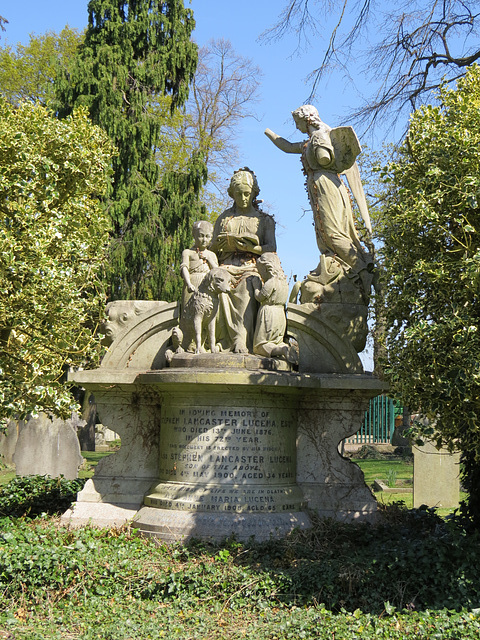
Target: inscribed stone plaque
point(237, 459)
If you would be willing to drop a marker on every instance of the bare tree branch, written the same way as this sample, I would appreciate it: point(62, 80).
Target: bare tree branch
point(295, 17)
point(409, 48)
point(224, 91)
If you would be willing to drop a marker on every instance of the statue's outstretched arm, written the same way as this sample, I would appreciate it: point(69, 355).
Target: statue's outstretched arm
point(282, 144)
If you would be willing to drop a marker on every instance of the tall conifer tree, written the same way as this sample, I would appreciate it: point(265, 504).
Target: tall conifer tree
point(134, 52)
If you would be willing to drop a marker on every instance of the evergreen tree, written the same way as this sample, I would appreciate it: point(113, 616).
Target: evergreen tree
point(136, 51)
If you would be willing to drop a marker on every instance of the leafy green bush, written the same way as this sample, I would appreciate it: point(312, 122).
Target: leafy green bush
point(412, 559)
point(36, 495)
point(430, 228)
point(402, 577)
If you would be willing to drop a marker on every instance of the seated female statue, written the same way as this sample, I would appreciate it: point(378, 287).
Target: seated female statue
point(240, 235)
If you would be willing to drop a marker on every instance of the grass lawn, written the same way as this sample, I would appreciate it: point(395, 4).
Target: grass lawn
point(382, 470)
point(403, 471)
point(6, 474)
point(373, 469)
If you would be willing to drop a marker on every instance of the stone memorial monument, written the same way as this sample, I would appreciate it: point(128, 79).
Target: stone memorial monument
point(230, 404)
point(8, 442)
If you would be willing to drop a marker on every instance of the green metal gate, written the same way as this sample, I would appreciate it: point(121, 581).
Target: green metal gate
point(379, 422)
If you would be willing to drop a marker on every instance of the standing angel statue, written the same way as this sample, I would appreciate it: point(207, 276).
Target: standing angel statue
point(325, 154)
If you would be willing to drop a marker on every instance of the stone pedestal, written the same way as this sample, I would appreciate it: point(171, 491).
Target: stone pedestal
point(227, 463)
point(333, 486)
point(213, 452)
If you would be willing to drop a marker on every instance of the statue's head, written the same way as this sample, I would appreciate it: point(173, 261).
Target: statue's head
point(176, 337)
point(120, 314)
point(269, 265)
point(243, 187)
point(202, 233)
point(306, 115)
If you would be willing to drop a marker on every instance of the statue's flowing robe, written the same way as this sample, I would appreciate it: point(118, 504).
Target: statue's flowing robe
point(238, 309)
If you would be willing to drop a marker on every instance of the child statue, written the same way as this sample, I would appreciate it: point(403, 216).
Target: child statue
point(197, 261)
point(271, 320)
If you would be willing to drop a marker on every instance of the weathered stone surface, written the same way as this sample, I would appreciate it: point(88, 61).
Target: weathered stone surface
point(48, 447)
point(140, 334)
point(225, 452)
point(228, 360)
point(241, 234)
point(124, 314)
point(341, 284)
point(322, 347)
point(436, 477)
point(333, 486)
point(337, 299)
point(269, 337)
point(236, 441)
point(197, 261)
point(198, 319)
point(188, 436)
point(99, 514)
point(123, 477)
point(178, 526)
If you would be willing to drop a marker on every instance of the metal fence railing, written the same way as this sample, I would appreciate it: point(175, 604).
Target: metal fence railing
point(379, 422)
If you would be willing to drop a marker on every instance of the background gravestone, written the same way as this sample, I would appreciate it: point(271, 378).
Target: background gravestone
point(48, 447)
point(436, 477)
point(8, 442)
point(104, 438)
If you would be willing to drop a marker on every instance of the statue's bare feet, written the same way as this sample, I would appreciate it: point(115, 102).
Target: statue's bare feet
point(200, 350)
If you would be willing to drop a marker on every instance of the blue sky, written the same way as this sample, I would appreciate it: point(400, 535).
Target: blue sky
point(283, 89)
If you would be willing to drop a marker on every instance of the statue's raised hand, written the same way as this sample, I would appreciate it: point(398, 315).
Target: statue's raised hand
point(270, 134)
